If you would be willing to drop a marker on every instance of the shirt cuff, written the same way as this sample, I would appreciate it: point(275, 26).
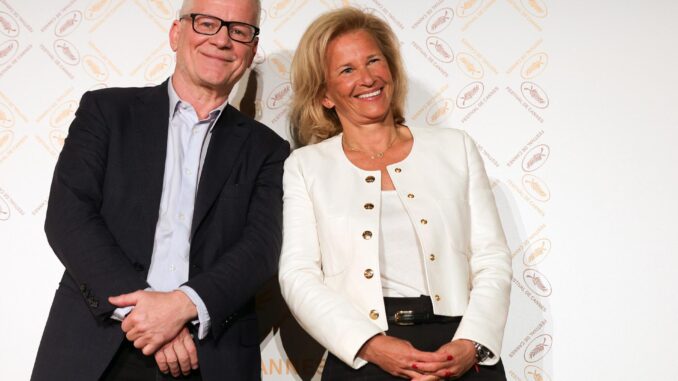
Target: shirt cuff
point(119, 314)
point(203, 316)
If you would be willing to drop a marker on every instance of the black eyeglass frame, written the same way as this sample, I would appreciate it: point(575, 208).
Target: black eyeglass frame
point(223, 23)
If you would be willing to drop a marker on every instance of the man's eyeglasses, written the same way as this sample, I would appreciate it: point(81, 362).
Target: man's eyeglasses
point(210, 25)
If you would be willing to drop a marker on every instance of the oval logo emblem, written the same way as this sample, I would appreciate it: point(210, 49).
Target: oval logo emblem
point(536, 188)
point(470, 66)
point(96, 9)
point(537, 282)
point(68, 24)
point(63, 113)
point(536, 252)
point(95, 68)
point(534, 95)
point(537, 8)
point(468, 7)
point(159, 68)
point(536, 158)
point(538, 348)
point(534, 65)
point(281, 8)
point(440, 21)
point(439, 49)
point(67, 52)
point(280, 65)
point(439, 112)
point(161, 8)
point(280, 96)
point(5, 139)
point(470, 95)
point(57, 138)
point(6, 116)
point(4, 207)
point(534, 373)
point(8, 50)
point(8, 26)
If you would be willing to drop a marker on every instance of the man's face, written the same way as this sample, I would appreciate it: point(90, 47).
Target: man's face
point(215, 62)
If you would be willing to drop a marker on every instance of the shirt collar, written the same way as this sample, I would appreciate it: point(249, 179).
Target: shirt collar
point(175, 102)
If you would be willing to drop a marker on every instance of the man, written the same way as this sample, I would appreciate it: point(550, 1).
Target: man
point(165, 210)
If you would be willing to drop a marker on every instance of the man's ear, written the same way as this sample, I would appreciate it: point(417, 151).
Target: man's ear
point(174, 35)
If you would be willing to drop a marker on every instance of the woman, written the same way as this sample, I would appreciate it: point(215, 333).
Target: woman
point(391, 233)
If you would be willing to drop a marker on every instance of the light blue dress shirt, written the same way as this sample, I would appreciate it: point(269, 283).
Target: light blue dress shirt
point(187, 141)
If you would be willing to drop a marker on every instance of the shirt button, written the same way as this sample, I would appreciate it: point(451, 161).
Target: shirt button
point(436, 297)
point(374, 315)
point(187, 172)
point(410, 195)
point(369, 179)
point(368, 273)
point(423, 221)
point(172, 268)
point(432, 257)
point(398, 170)
point(369, 206)
point(367, 235)
point(181, 217)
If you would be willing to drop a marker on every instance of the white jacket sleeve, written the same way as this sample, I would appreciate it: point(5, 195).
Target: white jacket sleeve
point(490, 262)
point(325, 314)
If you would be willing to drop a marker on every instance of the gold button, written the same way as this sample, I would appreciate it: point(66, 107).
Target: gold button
point(368, 273)
point(367, 234)
point(437, 297)
point(369, 179)
point(369, 206)
point(432, 257)
point(423, 221)
point(410, 195)
point(398, 170)
point(374, 315)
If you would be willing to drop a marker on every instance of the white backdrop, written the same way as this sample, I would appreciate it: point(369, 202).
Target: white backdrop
point(572, 104)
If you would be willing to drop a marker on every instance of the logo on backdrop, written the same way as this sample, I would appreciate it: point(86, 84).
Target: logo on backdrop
point(470, 66)
point(468, 7)
point(538, 348)
point(95, 68)
point(7, 119)
point(470, 94)
point(96, 9)
point(536, 252)
point(536, 158)
point(8, 25)
point(439, 49)
point(440, 20)
point(536, 188)
point(68, 23)
point(439, 112)
point(534, 65)
point(67, 52)
point(281, 8)
point(535, 373)
point(537, 282)
point(159, 68)
point(280, 96)
point(536, 8)
point(534, 95)
point(8, 50)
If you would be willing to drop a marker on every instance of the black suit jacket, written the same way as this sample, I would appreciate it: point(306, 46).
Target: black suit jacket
point(101, 218)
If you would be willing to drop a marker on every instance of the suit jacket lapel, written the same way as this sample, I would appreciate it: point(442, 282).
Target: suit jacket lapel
point(151, 120)
point(228, 136)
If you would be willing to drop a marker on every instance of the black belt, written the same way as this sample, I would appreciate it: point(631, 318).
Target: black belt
point(412, 318)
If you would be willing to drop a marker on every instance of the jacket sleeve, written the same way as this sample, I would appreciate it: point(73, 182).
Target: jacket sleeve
point(75, 229)
point(490, 262)
point(325, 314)
point(231, 282)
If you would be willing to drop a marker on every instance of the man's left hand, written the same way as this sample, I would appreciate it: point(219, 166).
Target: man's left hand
point(156, 319)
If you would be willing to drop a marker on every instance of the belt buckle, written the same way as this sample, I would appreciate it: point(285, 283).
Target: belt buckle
point(402, 316)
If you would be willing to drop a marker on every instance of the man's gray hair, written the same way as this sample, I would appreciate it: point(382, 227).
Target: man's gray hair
point(187, 5)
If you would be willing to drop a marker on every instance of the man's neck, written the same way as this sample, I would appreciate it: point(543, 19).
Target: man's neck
point(203, 99)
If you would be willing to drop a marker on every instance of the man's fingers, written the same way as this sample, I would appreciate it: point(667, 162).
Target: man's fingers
point(182, 357)
point(172, 361)
point(191, 349)
point(161, 360)
point(125, 300)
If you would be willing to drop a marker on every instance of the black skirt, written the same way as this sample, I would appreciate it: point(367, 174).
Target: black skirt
point(425, 337)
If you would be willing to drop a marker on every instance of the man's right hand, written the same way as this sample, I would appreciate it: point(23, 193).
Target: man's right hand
point(179, 356)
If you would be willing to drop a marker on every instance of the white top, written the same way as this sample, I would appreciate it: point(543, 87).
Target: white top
point(400, 258)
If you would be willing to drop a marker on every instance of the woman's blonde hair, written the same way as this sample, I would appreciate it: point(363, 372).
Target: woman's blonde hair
point(310, 122)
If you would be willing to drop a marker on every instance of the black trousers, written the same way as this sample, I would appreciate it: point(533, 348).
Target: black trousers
point(129, 364)
point(425, 337)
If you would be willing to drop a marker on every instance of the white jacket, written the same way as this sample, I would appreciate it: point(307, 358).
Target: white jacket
point(330, 241)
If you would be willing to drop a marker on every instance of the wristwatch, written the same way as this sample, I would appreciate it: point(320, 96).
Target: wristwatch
point(482, 353)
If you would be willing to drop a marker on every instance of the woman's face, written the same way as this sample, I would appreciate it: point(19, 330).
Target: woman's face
point(359, 82)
